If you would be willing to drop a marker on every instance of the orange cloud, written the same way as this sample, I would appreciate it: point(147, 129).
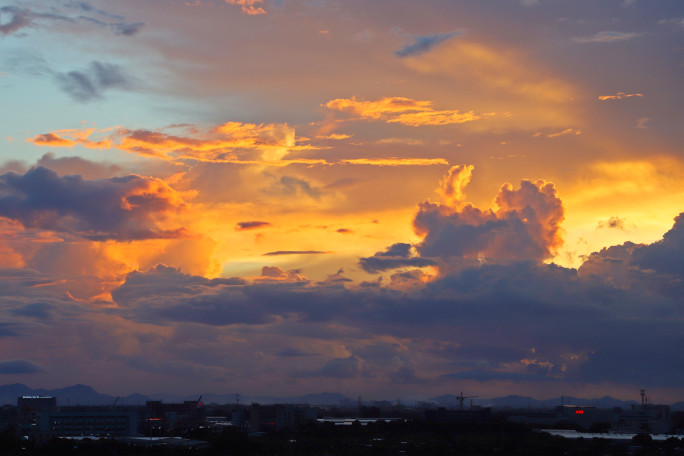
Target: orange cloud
point(567, 131)
point(619, 96)
point(248, 6)
point(71, 138)
point(405, 111)
point(394, 161)
point(230, 142)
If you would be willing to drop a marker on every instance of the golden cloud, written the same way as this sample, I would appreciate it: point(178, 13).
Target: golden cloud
point(405, 111)
point(619, 96)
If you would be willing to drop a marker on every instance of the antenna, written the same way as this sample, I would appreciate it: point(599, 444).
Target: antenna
point(644, 399)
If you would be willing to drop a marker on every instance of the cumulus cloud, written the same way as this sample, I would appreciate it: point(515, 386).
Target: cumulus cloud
point(124, 208)
point(91, 83)
point(524, 225)
point(405, 111)
point(423, 44)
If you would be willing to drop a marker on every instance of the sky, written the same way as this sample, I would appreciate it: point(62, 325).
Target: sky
point(384, 199)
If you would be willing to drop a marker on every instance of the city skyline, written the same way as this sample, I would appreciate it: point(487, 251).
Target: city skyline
point(386, 199)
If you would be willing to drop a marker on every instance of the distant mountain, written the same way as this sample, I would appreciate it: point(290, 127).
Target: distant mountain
point(85, 395)
point(678, 406)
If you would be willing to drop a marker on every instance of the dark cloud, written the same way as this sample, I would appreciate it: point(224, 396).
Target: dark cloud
point(19, 366)
point(659, 265)
point(517, 320)
point(251, 225)
point(396, 256)
point(125, 208)
point(39, 310)
point(293, 353)
point(77, 165)
point(406, 376)
point(341, 368)
point(337, 279)
point(422, 44)
point(91, 83)
point(7, 331)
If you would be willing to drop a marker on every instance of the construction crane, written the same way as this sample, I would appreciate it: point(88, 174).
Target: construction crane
point(461, 398)
point(199, 401)
point(115, 401)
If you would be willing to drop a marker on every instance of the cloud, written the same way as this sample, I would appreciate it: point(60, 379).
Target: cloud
point(607, 37)
point(341, 368)
point(90, 84)
point(396, 256)
point(19, 18)
point(678, 22)
point(231, 142)
point(524, 225)
point(77, 165)
point(619, 96)
point(118, 28)
point(71, 138)
point(296, 252)
point(642, 123)
point(395, 161)
point(294, 186)
point(123, 208)
point(423, 44)
point(293, 353)
point(566, 132)
point(251, 225)
point(19, 366)
point(613, 222)
point(248, 6)
point(405, 111)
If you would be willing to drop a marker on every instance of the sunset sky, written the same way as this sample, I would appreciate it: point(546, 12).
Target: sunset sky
point(384, 198)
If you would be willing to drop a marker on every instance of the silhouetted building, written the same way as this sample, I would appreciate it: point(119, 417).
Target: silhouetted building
point(475, 415)
point(159, 417)
point(279, 416)
point(87, 422)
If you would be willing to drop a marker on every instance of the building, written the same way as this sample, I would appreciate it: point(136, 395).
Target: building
point(473, 415)
point(105, 423)
point(279, 416)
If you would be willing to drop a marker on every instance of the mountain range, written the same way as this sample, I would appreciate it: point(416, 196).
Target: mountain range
point(86, 395)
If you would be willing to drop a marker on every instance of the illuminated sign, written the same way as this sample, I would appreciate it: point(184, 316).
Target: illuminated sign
point(579, 412)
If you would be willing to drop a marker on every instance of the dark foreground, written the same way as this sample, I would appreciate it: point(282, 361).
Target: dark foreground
point(401, 438)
